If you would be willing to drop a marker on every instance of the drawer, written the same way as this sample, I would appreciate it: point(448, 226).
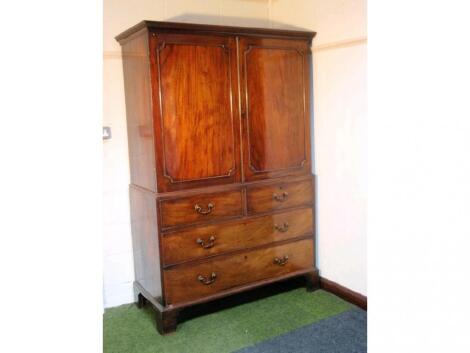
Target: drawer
point(279, 195)
point(200, 208)
point(193, 281)
point(200, 242)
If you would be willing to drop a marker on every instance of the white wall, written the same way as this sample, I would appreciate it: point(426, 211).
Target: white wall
point(340, 150)
point(339, 126)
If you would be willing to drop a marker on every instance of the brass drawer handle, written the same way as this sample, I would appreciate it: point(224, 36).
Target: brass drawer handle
point(281, 261)
point(280, 198)
point(282, 228)
point(209, 244)
point(200, 210)
point(207, 281)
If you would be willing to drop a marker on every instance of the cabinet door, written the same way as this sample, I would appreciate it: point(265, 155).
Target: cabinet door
point(196, 110)
point(275, 81)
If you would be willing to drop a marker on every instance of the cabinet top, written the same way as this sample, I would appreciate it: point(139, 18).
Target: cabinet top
point(215, 29)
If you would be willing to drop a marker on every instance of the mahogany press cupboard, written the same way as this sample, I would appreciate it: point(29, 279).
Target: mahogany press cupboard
point(222, 195)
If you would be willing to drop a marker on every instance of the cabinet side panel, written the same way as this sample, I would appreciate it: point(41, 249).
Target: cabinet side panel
point(139, 111)
point(145, 241)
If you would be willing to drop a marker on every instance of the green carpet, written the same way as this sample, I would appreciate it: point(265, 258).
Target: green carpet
point(127, 329)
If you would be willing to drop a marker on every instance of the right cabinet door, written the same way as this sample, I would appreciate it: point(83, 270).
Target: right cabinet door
point(275, 107)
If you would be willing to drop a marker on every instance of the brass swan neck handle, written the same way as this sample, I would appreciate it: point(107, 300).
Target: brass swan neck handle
point(206, 281)
point(200, 210)
point(208, 244)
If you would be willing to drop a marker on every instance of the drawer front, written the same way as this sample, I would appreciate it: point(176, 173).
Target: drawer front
point(200, 242)
point(278, 196)
point(200, 208)
point(193, 281)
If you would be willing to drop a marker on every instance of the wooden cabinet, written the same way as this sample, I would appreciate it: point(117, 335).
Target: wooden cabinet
point(222, 194)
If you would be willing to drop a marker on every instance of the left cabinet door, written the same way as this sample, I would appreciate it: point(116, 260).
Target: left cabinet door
point(195, 104)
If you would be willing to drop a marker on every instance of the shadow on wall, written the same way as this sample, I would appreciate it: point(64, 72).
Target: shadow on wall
point(232, 21)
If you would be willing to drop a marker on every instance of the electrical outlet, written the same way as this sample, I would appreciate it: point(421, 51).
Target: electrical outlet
point(106, 132)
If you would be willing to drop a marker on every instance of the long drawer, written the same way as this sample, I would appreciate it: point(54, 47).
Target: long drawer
point(278, 196)
point(203, 241)
point(201, 208)
point(194, 281)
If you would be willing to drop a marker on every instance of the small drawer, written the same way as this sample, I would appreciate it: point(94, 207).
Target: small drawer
point(200, 208)
point(204, 241)
point(195, 281)
point(280, 195)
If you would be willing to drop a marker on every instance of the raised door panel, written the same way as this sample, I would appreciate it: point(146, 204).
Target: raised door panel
point(196, 96)
point(275, 106)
